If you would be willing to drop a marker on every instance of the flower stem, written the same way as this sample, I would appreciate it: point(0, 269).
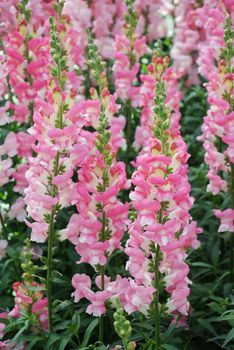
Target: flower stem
point(157, 315)
point(156, 299)
point(232, 234)
point(128, 135)
point(4, 233)
point(125, 344)
point(101, 320)
point(102, 268)
point(50, 248)
point(49, 270)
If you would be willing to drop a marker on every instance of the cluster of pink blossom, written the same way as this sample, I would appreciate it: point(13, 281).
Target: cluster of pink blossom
point(87, 194)
point(24, 77)
point(187, 35)
point(25, 65)
point(57, 129)
point(108, 19)
point(146, 101)
point(102, 219)
point(26, 300)
point(40, 10)
point(161, 197)
point(216, 64)
point(154, 18)
point(126, 67)
point(133, 297)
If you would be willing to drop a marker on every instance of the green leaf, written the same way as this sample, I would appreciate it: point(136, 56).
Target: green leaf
point(169, 347)
point(31, 344)
point(89, 331)
point(215, 307)
point(201, 264)
point(61, 305)
point(206, 324)
point(75, 322)
point(53, 338)
point(18, 334)
point(35, 289)
point(64, 342)
point(225, 318)
point(169, 332)
point(62, 325)
point(229, 337)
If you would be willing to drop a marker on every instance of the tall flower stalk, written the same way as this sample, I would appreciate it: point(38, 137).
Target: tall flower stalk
point(59, 59)
point(42, 195)
point(128, 49)
point(218, 126)
point(162, 230)
point(102, 218)
point(228, 55)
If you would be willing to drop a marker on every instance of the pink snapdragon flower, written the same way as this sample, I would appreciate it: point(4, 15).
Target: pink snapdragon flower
point(186, 38)
point(218, 124)
point(125, 72)
point(161, 196)
point(88, 197)
point(227, 220)
point(25, 299)
point(132, 296)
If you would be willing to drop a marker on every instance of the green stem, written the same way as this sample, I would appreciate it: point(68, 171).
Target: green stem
point(3, 226)
point(50, 249)
point(125, 344)
point(232, 234)
point(49, 270)
point(29, 78)
point(102, 268)
point(26, 41)
point(157, 315)
point(101, 320)
point(229, 99)
point(128, 136)
point(156, 299)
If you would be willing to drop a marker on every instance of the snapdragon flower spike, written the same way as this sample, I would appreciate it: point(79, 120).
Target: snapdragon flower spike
point(27, 62)
point(30, 301)
point(173, 98)
point(188, 30)
point(50, 185)
point(26, 66)
point(162, 230)
point(49, 130)
point(108, 17)
point(128, 49)
point(153, 18)
point(218, 125)
point(102, 218)
point(34, 302)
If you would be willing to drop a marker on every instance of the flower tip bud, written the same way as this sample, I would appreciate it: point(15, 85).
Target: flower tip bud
point(222, 66)
point(132, 345)
point(150, 68)
point(166, 61)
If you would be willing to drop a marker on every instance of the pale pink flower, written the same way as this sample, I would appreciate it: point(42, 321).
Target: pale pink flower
point(227, 220)
point(3, 246)
point(17, 210)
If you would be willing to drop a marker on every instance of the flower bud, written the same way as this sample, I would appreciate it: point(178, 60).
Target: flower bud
point(222, 66)
point(131, 346)
point(228, 82)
